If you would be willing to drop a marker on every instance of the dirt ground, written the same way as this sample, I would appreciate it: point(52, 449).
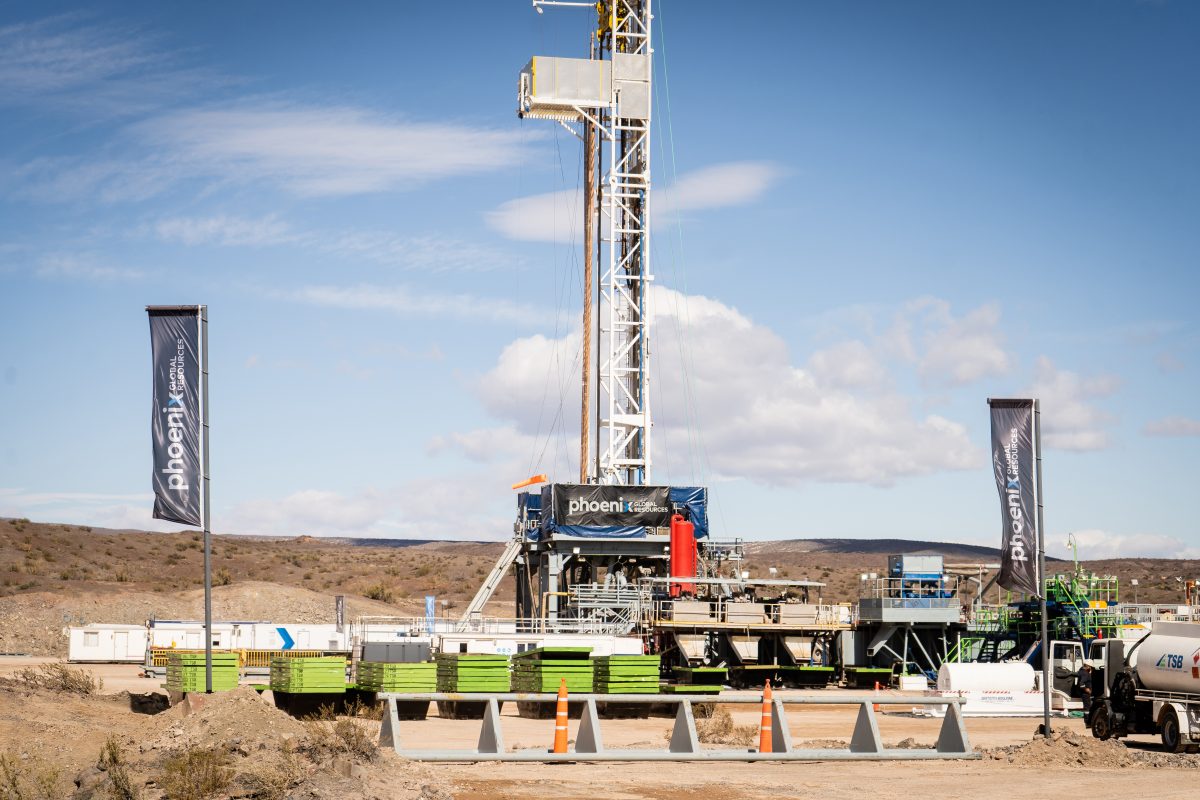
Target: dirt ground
point(38, 727)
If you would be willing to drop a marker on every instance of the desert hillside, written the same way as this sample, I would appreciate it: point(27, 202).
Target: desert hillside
point(53, 575)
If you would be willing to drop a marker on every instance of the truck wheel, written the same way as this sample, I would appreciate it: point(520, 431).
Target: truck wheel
point(1101, 725)
point(1172, 737)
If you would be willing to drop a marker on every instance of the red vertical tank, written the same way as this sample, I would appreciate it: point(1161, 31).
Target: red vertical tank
point(683, 554)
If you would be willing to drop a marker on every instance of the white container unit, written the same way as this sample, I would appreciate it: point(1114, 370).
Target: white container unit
point(189, 635)
point(101, 643)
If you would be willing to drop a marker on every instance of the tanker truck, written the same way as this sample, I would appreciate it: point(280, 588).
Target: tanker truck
point(1154, 687)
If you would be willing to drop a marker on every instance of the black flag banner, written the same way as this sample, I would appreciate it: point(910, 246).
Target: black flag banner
point(175, 414)
point(1013, 462)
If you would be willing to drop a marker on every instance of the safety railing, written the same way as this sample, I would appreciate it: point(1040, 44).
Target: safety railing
point(911, 592)
point(745, 613)
point(684, 743)
point(160, 657)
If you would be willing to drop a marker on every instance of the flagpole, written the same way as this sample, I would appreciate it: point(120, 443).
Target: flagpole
point(1041, 533)
point(206, 512)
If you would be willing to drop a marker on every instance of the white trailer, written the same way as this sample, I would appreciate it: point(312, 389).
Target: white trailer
point(101, 643)
point(251, 635)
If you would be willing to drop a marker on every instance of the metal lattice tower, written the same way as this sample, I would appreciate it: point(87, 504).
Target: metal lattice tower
point(612, 94)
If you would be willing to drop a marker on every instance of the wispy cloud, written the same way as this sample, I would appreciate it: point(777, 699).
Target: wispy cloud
point(1172, 426)
point(224, 230)
point(302, 150)
point(1070, 417)
point(326, 151)
point(429, 253)
point(68, 267)
point(961, 350)
point(72, 61)
point(1107, 544)
point(84, 508)
point(404, 300)
point(555, 216)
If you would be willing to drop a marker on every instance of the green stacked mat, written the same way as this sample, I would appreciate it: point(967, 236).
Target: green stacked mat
point(185, 672)
point(626, 674)
point(543, 669)
point(311, 675)
point(691, 688)
point(472, 672)
point(381, 677)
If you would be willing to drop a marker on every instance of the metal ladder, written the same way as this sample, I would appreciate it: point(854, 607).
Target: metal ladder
point(489, 586)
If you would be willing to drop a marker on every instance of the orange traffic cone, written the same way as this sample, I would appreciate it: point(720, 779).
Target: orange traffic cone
point(764, 729)
point(875, 706)
point(560, 720)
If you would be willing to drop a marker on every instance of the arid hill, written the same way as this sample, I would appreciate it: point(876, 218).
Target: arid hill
point(54, 575)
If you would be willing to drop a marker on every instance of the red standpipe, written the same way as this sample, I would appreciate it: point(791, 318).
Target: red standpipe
point(683, 555)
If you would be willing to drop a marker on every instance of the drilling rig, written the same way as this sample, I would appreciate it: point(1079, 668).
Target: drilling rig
point(615, 553)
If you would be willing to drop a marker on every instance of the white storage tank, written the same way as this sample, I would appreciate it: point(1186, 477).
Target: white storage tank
point(1168, 660)
point(1003, 676)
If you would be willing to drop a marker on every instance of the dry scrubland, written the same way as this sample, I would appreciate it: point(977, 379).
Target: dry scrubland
point(52, 576)
point(60, 737)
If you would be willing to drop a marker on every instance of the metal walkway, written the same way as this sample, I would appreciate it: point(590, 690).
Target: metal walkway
point(684, 745)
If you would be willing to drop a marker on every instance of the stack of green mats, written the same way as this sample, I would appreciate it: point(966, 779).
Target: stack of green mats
point(380, 677)
point(543, 670)
point(185, 672)
point(472, 672)
point(691, 688)
point(313, 675)
point(626, 674)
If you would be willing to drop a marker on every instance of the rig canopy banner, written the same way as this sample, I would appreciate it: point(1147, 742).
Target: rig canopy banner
point(175, 413)
point(1013, 462)
point(598, 505)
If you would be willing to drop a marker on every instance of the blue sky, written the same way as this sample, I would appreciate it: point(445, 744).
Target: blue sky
point(869, 218)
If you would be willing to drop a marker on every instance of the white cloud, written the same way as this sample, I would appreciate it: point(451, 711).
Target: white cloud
point(1172, 426)
point(414, 510)
point(762, 417)
point(1169, 363)
point(69, 62)
point(327, 151)
point(304, 150)
point(312, 512)
point(69, 267)
point(959, 351)
point(556, 216)
point(118, 511)
point(427, 252)
point(403, 300)
point(1099, 544)
point(1069, 419)
point(224, 230)
point(849, 365)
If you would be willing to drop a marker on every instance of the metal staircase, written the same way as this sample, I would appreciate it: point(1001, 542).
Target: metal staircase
point(489, 586)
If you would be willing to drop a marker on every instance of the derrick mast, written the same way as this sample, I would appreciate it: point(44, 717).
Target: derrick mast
point(609, 95)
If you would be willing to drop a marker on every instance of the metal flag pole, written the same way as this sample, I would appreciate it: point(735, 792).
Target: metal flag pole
point(1041, 562)
point(206, 513)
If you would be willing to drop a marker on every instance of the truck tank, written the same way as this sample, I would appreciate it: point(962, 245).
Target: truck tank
point(1168, 660)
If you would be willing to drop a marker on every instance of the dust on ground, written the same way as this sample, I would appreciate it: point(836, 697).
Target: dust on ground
point(86, 746)
point(1072, 750)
